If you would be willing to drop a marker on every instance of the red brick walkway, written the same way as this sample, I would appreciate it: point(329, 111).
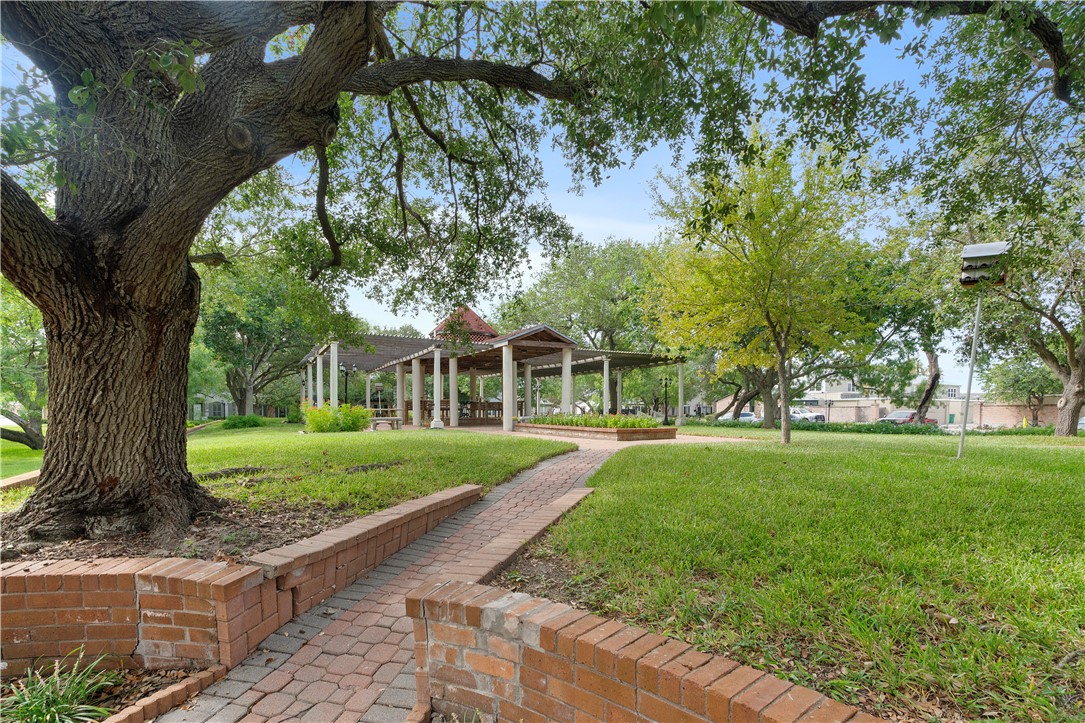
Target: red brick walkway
point(351, 658)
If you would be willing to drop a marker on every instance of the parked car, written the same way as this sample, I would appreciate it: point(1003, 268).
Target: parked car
point(1081, 425)
point(804, 414)
point(748, 417)
point(904, 416)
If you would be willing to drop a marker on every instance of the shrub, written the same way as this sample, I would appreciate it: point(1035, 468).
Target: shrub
point(63, 696)
point(1016, 432)
point(608, 421)
point(852, 427)
point(243, 422)
point(344, 418)
point(293, 414)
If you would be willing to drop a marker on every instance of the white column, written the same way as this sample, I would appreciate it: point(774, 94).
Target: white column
point(416, 392)
point(529, 411)
point(333, 373)
point(309, 383)
point(401, 392)
point(436, 422)
point(618, 389)
point(320, 380)
point(368, 396)
point(606, 385)
point(473, 391)
point(567, 380)
point(453, 391)
point(508, 389)
point(681, 395)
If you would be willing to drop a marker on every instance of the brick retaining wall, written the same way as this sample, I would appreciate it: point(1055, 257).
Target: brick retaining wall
point(513, 657)
point(175, 612)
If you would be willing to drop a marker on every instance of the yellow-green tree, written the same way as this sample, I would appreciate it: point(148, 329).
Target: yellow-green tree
point(764, 268)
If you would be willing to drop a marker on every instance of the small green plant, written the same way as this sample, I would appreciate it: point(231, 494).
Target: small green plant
point(605, 421)
point(294, 414)
point(243, 422)
point(65, 695)
point(344, 418)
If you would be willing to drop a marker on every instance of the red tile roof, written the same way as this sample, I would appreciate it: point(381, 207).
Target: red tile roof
point(464, 316)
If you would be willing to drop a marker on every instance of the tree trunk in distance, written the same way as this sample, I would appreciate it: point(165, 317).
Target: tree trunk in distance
point(934, 376)
point(768, 400)
point(116, 459)
point(785, 402)
point(30, 433)
point(1071, 403)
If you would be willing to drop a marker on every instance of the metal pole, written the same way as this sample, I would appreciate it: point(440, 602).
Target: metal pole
point(971, 368)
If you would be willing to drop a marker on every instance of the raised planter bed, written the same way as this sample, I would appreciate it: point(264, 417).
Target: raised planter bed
point(611, 433)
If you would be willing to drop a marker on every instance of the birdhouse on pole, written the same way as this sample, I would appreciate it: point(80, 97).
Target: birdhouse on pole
point(982, 262)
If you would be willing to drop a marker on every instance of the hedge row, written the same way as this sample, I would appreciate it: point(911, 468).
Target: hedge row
point(853, 427)
point(608, 421)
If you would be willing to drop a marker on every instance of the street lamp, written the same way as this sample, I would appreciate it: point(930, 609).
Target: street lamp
point(666, 404)
point(828, 409)
point(379, 386)
point(346, 379)
point(538, 396)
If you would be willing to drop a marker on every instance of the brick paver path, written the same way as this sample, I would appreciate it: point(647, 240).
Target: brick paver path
point(352, 657)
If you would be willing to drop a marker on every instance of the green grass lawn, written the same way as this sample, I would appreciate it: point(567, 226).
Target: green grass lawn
point(879, 570)
point(17, 458)
point(315, 467)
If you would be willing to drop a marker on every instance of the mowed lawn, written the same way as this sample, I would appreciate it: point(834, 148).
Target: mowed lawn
point(879, 570)
point(17, 458)
point(328, 468)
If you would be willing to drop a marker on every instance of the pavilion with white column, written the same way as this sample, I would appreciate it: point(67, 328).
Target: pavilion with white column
point(514, 361)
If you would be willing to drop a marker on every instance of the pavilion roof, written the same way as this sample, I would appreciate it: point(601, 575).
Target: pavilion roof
point(466, 318)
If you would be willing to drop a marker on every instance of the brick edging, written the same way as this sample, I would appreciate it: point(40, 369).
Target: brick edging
point(622, 434)
point(175, 612)
point(517, 657)
point(20, 480)
point(155, 704)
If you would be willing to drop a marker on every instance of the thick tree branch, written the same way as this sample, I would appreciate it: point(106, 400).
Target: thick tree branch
point(805, 18)
point(339, 46)
point(32, 243)
point(383, 78)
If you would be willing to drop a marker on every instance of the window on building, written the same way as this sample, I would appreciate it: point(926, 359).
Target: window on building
point(951, 393)
point(851, 386)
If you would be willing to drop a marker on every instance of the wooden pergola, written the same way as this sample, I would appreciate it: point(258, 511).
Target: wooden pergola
point(538, 351)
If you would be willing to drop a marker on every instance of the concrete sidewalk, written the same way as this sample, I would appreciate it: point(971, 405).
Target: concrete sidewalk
point(352, 657)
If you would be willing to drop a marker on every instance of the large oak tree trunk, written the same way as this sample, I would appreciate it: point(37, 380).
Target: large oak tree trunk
point(1071, 403)
point(115, 458)
point(934, 376)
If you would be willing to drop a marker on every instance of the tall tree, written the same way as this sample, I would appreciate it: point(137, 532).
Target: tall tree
point(158, 110)
point(259, 323)
point(592, 293)
point(770, 268)
point(24, 383)
point(1021, 379)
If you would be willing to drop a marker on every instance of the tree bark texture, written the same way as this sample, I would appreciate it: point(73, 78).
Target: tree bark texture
point(934, 376)
point(1071, 403)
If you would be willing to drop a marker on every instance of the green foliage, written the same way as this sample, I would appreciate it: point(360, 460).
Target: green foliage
point(24, 387)
point(591, 293)
point(850, 554)
point(243, 421)
point(294, 414)
point(344, 418)
point(1047, 431)
point(608, 421)
point(65, 695)
point(849, 427)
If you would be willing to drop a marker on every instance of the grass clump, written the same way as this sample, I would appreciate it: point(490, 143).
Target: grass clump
point(880, 571)
point(65, 695)
point(344, 418)
point(606, 421)
point(243, 421)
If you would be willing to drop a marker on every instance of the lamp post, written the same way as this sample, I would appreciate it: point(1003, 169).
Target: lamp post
point(666, 404)
point(828, 409)
point(346, 379)
point(538, 396)
point(379, 387)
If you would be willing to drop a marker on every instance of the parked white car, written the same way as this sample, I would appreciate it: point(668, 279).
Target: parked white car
point(805, 414)
point(748, 417)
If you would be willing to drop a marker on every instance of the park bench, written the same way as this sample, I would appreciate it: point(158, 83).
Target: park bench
point(394, 422)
